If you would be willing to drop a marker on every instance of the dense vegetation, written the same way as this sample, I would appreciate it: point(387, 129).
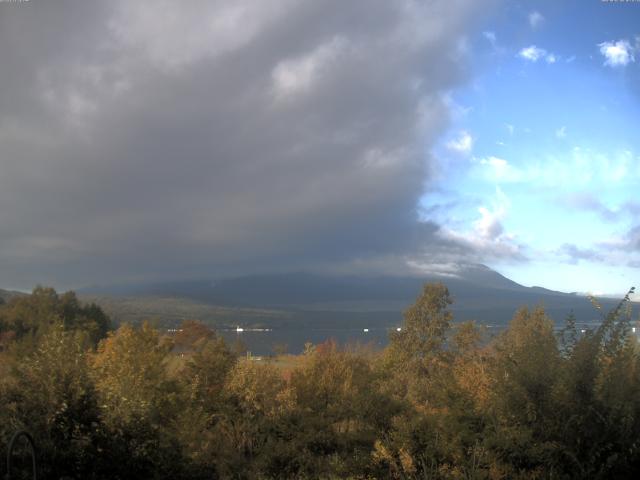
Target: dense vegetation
point(439, 402)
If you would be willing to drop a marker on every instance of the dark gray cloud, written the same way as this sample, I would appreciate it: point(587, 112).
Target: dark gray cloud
point(146, 140)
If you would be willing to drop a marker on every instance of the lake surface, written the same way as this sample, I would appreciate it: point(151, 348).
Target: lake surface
point(266, 341)
point(294, 340)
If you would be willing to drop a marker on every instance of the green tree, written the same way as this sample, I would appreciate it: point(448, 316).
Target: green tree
point(426, 322)
point(599, 398)
point(49, 392)
point(32, 315)
point(525, 377)
point(246, 427)
point(203, 379)
point(416, 354)
point(338, 412)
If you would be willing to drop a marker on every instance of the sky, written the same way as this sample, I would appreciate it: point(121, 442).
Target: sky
point(543, 150)
point(150, 141)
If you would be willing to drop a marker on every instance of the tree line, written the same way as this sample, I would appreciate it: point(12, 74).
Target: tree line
point(442, 401)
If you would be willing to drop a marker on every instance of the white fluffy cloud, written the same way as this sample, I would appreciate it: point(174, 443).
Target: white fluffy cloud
point(463, 143)
point(489, 238)
point(533, 54)
point(499, 166)
point(617, 54)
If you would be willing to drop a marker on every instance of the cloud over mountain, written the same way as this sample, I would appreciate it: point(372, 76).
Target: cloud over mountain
point(148, 140)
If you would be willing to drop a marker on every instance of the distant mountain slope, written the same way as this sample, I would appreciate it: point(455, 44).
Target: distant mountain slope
point(7, 295)
point(172, 311)
point(479, 293)
point(306, 288)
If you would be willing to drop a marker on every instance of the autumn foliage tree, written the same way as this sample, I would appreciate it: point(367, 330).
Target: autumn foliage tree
point(138, 400)
point(442, 401)
point(48, 392)
point(32, 315)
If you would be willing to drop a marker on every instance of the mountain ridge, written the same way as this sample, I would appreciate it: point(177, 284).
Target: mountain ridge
point(7, 295)
point(479, 293)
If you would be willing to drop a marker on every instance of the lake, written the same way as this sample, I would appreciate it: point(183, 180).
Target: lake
point(263, 342)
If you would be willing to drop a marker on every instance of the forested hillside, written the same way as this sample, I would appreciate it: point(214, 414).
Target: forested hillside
point(6, 295)
point(441, 401)
point(305, 300)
